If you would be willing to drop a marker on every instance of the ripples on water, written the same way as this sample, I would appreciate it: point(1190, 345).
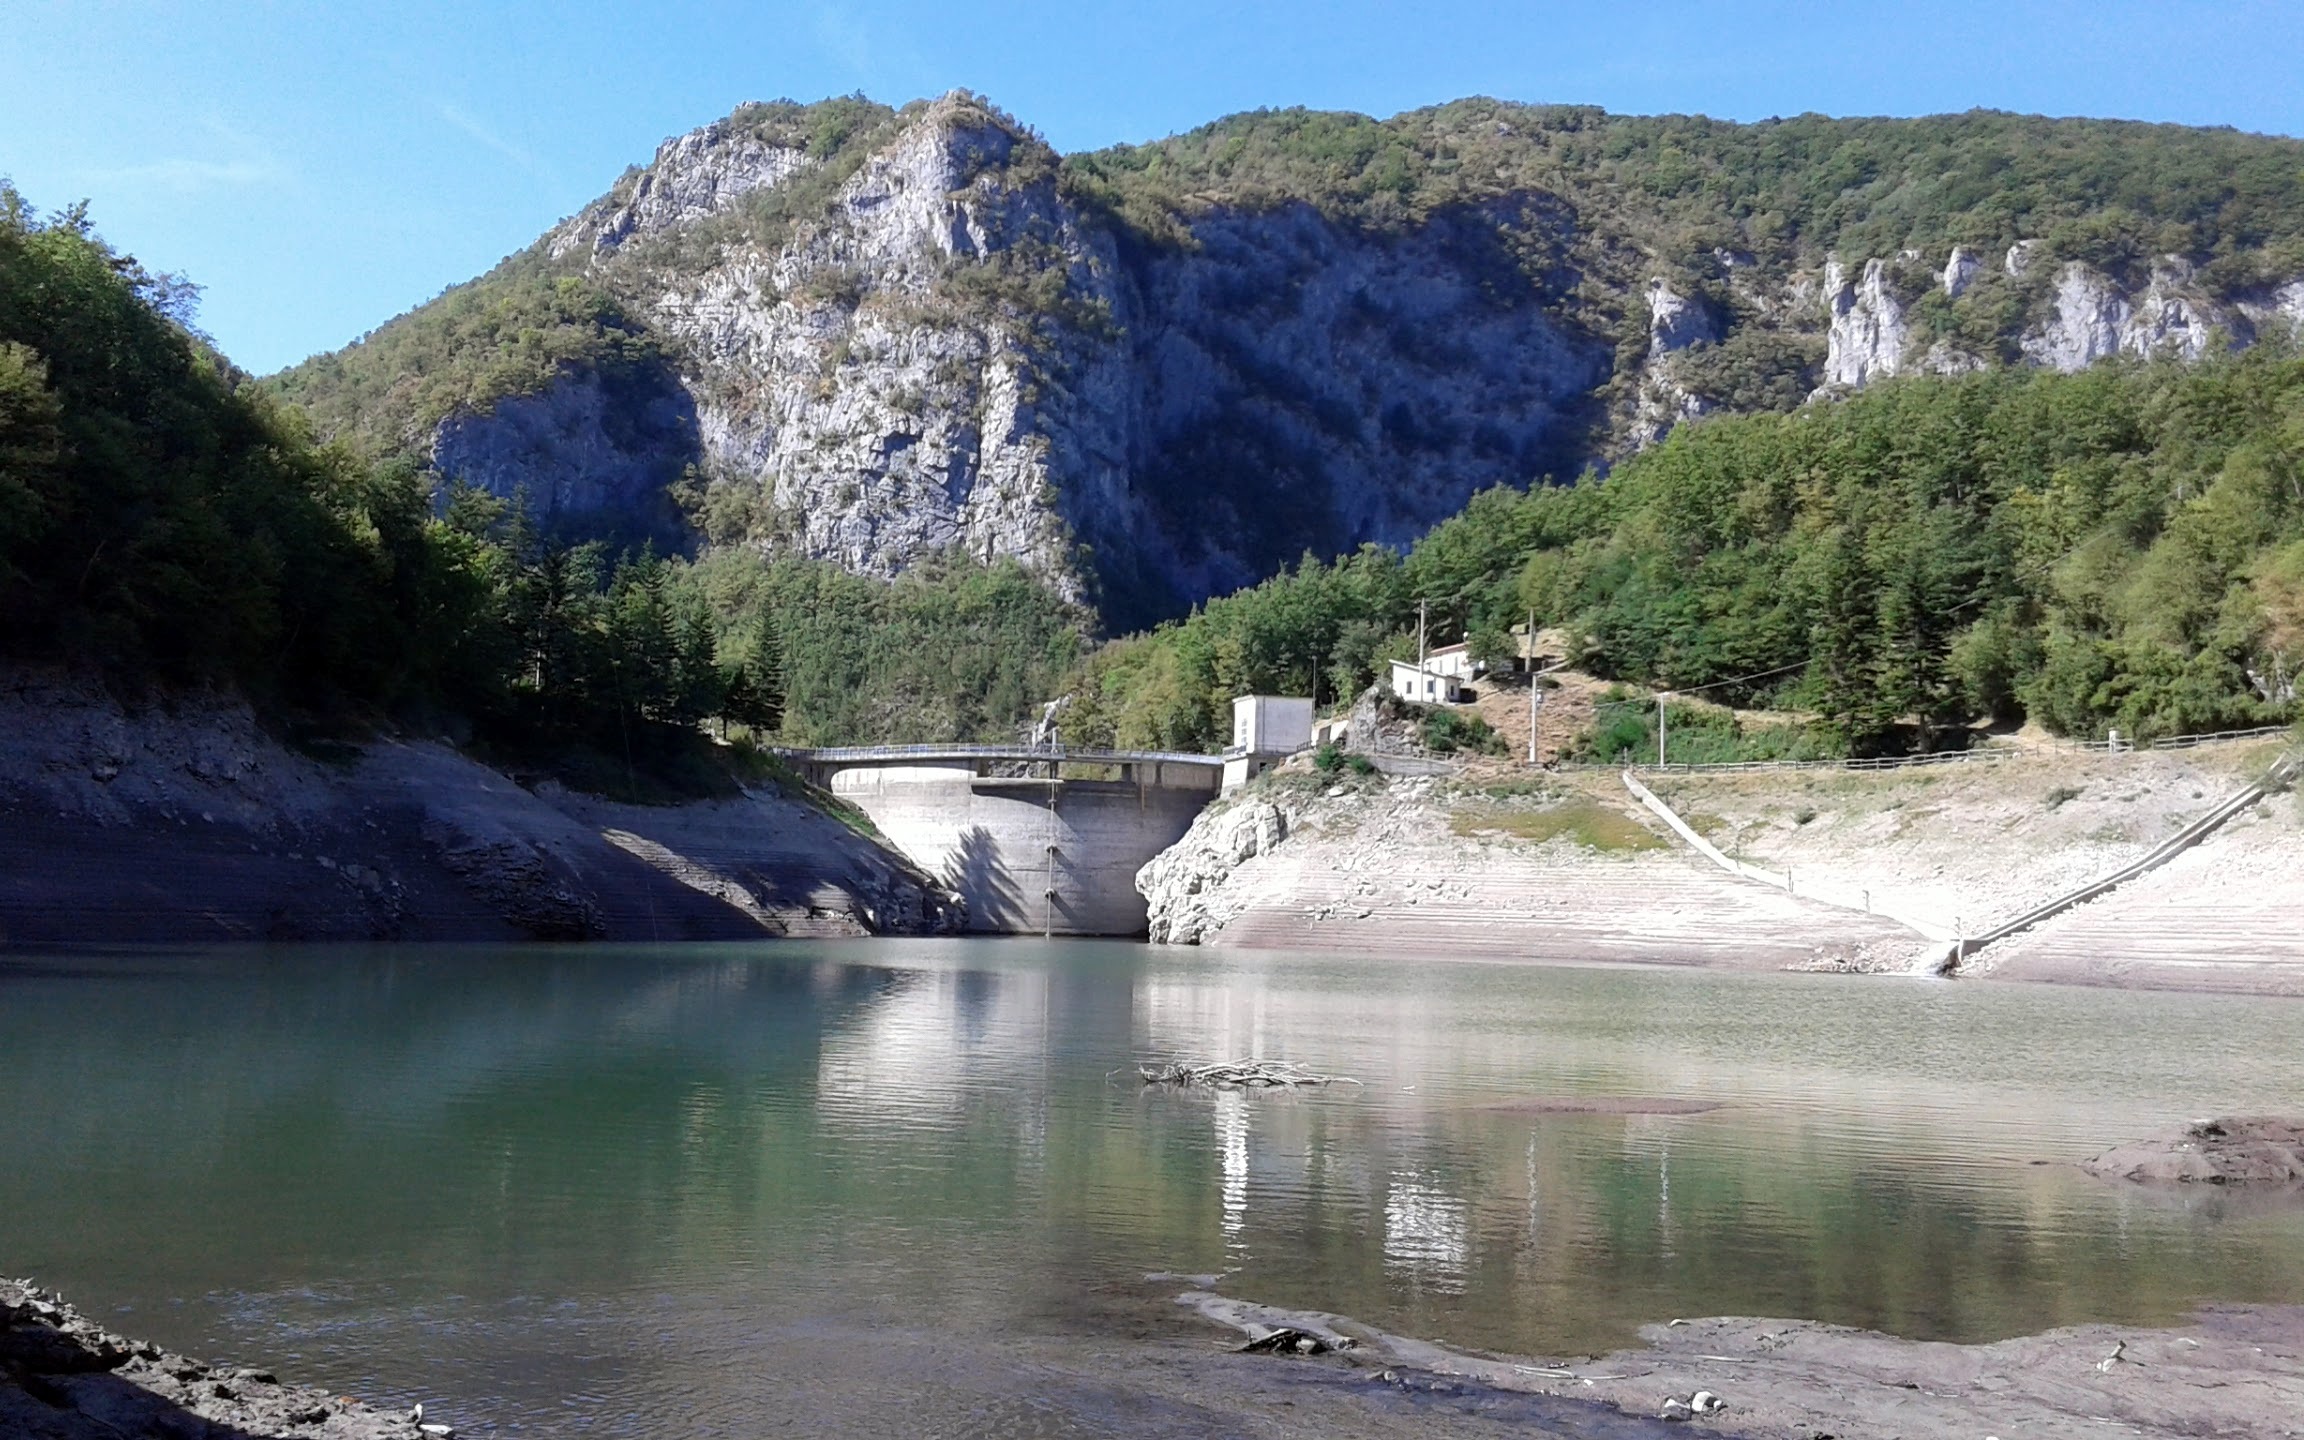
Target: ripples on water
point(564, 1184)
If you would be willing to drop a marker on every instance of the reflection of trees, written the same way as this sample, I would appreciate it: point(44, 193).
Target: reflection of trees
point(977, 870)
point(945, 1116)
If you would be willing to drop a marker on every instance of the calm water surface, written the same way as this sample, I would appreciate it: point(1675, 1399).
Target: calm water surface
point(562, 1184)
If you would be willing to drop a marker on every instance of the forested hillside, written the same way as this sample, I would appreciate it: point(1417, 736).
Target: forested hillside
point(1155, 373)
point(166, 521)
point(2120, 548)
point(941, 407)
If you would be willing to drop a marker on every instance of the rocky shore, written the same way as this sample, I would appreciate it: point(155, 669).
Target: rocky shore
point(2233, 1371)
point(64, 1377)
point(2257, 1150)
point(188, 821)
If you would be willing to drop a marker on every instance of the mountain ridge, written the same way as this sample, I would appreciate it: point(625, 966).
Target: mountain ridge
point(1156, 373)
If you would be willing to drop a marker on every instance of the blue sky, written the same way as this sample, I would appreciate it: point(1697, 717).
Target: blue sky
point(320, 167)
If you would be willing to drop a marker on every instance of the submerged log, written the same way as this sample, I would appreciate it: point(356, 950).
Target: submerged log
point(1241, 1074)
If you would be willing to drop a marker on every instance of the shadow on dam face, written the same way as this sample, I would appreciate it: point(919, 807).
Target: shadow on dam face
point(1030, 854)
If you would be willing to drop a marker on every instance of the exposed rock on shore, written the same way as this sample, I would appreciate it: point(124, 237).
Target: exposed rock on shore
point(187, 821)
point(2230, 1150)
point(2235, 1370)
point(64, 1377)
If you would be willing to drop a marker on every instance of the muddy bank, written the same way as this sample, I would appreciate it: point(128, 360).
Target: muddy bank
point(189, 822)
point(2235, 1370)
point(64, 1377)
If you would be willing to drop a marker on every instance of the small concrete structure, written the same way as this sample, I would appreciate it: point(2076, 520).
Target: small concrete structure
point(1266, 729)
point(1037, 841)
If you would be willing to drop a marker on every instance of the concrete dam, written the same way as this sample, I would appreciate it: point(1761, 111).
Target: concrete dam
point(1036, 841)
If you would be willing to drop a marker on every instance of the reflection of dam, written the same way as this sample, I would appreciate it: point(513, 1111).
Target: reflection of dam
point(1037, 842)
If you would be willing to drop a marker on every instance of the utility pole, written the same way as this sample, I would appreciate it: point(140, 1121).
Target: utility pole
point(1528, 658)
point(1420, 638)
point(1661, 697)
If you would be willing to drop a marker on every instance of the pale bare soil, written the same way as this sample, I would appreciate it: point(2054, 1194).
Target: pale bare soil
point(1977, 842)
point(1969, 846)
point(1505, 862)
point(1557, 869)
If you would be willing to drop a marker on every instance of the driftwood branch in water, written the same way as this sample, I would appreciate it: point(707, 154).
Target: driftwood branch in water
point(1238, 1074)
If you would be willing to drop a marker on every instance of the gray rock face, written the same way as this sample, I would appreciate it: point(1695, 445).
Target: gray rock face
point(2094, 319)
point(592, 454)
point(1675, 323)
point(1289, 385)
point(2277, 312)
point(952, 352)
point(1183, 885)
point(955, 358)
point(1960, 271)
point(1868, 334)
point(701, 173)
point(2090, 315)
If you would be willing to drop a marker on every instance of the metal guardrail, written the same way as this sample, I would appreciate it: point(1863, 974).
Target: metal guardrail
point(1999, 750)
point(864, 754)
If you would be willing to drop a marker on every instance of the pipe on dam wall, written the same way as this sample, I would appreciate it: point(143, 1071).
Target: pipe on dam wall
point(1030, 854)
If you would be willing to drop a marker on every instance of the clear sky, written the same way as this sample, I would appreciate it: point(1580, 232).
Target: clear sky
point(321, 166)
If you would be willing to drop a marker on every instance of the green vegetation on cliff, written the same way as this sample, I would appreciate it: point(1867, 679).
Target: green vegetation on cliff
point(510, 332)
point(1578, 208)
point(2112, 193)
point(168, 522)
point(164, 519)
point(1729, 211)
point(2120, 548)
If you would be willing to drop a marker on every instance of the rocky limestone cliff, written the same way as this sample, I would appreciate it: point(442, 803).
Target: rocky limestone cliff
point(2084, 316)
point(912, 334)
point(595, 454)
point(1676, 323)
point(954, 357)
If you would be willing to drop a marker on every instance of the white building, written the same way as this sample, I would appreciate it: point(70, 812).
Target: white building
point(1453, 660)
point(1426, 686)
point(1266, 729)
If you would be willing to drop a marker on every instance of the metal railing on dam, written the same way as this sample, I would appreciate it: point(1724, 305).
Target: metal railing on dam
point(923, 754)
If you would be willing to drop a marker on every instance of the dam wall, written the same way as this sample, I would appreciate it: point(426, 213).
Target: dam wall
point(1046, 848)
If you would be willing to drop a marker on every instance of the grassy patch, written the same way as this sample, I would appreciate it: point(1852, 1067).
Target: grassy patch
point(1587, 823)
point(1705, 823)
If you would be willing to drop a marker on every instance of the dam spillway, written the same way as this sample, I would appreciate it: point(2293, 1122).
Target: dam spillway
point(1034, 841)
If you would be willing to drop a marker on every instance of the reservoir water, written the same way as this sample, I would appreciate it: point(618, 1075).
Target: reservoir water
point(666, 1191)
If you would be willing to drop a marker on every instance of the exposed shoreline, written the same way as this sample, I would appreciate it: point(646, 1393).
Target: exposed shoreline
point(64, 1377)
point(188, 823)
point(2232, 1370)
point(1509, 865)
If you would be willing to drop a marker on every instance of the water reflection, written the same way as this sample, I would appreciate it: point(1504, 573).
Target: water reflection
point(390, 1152)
